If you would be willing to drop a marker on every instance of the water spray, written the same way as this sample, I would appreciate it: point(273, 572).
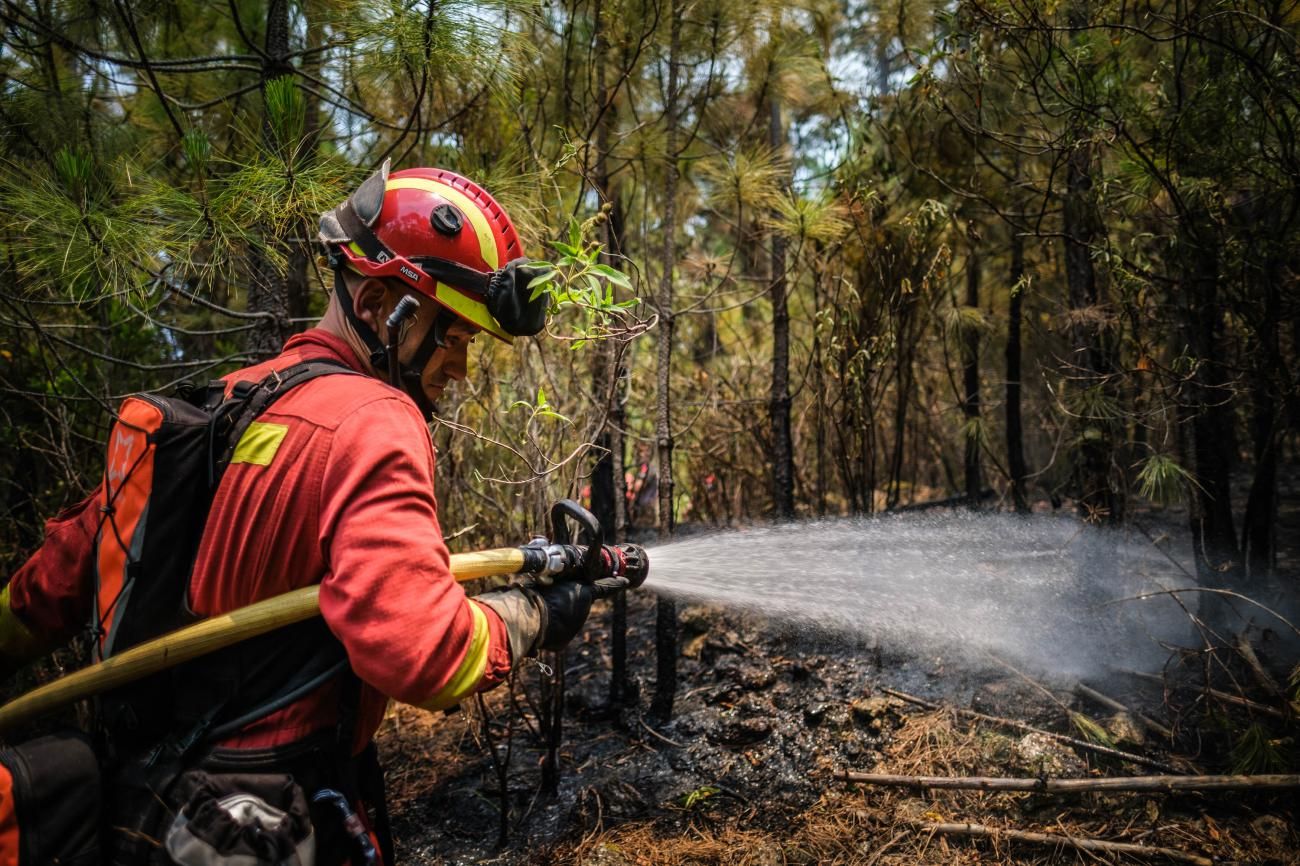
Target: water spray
point(608, 568)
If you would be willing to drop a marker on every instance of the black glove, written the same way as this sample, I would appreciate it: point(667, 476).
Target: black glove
point(567, 605)
point(540, 617)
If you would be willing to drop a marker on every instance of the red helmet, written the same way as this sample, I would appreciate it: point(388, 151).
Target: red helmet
point(442, 235)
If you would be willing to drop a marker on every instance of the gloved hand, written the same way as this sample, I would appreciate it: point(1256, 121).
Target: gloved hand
point(567, 605)
point(540, 617)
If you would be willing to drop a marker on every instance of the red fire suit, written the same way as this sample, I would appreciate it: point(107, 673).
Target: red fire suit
point(332, 485)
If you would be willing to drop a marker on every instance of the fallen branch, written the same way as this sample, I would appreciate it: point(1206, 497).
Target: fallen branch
point(1109, 702)
point(1165, 784)
point(1030, 729)
point(1079, 843)
point(1226, 697)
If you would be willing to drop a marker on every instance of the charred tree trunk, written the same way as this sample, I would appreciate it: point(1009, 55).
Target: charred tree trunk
point(779, 398)
point(1090, 366)
point(608, 478)
point(1259, 532)
point(1015, 427)
point(666, 610)
point(303, 242)
point(970, 406)
point(268, 290)
point(1213, 535)
point(1099, 501)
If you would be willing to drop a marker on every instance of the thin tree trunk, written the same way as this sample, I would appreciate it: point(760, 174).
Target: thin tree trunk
point(1015, 427)
point(970, 406)
point(1098, 498)
point(1213, 534)
point(268, 290)
point(779, 399)
point(666, 610)
point(1259, 532)
point(608, 479)
point(302, 244)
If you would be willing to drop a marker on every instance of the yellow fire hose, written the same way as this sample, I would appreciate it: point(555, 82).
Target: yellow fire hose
point(211, 635)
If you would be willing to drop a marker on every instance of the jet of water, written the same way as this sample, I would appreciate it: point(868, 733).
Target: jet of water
point(1044, 592)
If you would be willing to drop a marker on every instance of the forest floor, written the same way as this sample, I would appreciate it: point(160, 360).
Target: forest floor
point(764, 718)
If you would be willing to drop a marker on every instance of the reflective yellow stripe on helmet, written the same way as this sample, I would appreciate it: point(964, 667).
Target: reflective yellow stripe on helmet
point(470, 310)
point(486, 241)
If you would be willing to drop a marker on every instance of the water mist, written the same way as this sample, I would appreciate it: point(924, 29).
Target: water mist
point(1047, 593)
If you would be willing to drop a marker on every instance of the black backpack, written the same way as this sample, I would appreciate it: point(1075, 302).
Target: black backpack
point(166, 456)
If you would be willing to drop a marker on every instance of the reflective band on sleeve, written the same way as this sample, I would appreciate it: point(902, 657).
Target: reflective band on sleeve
point(17, 643)
point(486, 242)
point(465, 680)
point(259, 443)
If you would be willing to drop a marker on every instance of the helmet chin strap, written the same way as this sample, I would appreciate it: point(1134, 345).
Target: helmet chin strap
point(409, 375)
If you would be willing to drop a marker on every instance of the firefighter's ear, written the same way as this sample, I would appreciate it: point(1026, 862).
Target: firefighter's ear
point(371, 303)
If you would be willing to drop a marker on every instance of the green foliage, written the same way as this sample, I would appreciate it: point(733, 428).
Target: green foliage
point(1091, 731)
point(1162, 480)
point(579, 280)
point(699, 796)
point(1255, 750)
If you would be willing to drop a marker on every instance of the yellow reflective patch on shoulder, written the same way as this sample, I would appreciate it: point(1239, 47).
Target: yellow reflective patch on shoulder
point(259, 443)
point(465, 680)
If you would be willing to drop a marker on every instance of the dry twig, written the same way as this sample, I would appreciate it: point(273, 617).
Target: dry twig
point(1164, 784)
point(1107, 701)
point(1081, 844)
point(1030, 729)
point(1226, 697)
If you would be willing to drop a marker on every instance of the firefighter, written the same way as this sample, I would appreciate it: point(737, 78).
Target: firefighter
point(332, 485)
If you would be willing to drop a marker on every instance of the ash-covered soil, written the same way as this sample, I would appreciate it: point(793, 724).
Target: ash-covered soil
point(743, 773)
point(760, 720)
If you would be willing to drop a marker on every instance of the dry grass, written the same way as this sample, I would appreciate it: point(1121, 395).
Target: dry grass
point(880, 826)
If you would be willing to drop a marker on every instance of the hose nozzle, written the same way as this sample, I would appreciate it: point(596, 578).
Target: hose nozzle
point(608, 568)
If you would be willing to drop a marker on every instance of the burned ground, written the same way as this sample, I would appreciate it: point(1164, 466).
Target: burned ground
point(743, 774)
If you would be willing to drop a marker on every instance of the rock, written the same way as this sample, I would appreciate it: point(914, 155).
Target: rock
point(1040, 755)
point(741, 732)
point(831, 716)
point(764, 853)
point(873, 712)
point(1126, 729)
point(807, 669)
point(696, 619)
point(748, 674)
point(606, 855)
point(1273, 829)
point(693, 646)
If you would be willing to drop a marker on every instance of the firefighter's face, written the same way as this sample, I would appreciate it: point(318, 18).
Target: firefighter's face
point(449, 363)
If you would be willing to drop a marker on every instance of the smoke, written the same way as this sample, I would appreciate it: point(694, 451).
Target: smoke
point(1045, 593)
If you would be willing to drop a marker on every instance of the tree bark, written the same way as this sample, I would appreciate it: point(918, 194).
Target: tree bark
point(1214, 536)
point(666, 610)
point(1015, 428)
point(1091, 366)
point(779, 397)
point(1259, 532)
point(268, 290)
point(608, 477)
point(970, 407)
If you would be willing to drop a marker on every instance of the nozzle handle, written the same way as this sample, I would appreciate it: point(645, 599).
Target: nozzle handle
point(595, 534)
